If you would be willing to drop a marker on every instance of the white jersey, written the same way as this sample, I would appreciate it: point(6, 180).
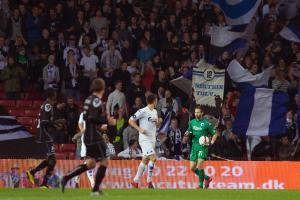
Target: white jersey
point(147, 120)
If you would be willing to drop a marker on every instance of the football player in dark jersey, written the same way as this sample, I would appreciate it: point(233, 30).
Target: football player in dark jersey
point(93, 114)
point(46, 129)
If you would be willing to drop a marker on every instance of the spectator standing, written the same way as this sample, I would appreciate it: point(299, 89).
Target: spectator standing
point(136, 89)
point(129, 134)
point(286, 149)
point(90, 67)
point(71, 77)
point(72, 116)
point(163, 105)
point(51, 76)
point(111, 60)
point(174, 140)
point(33, 26)
point(145, 52)
point(12, 76)
point(117, 97)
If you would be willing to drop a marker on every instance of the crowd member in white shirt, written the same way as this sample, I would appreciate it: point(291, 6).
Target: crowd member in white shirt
point(148, 123)
point(90, 66)
point(111, 59)
point(110, 151)
point(132, 152)
point(71, 46)
point(51, 75)
point(117, 97)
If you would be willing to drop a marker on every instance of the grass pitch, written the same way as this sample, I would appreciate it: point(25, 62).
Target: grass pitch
point(144, 194)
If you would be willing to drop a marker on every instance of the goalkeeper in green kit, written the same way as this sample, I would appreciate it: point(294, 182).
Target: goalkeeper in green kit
point(198, 127)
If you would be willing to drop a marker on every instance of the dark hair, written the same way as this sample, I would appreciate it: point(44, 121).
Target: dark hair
point(151, 98)
point(97, 85)
point(131, 142)
point(199, 107)
point(117, 82)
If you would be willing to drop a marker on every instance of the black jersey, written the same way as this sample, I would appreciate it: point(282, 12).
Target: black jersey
point(94, 115)
point(45, 124)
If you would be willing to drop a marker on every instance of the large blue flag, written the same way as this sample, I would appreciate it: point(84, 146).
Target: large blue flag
point(261, 111)
point(238, 11)
point(291, 32)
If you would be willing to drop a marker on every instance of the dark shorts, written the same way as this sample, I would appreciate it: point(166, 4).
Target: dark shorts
point(50, 148)
point(96, 151)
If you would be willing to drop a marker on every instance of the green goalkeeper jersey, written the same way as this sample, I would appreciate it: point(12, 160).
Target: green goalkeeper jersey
point(200, 128)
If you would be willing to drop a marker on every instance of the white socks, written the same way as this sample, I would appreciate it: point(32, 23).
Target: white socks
point(139, 172)
point(150, 171)
point(90, 175)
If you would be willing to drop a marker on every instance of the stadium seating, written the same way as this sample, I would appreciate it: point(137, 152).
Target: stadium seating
point(36, 104)
point(24, 103)
point(64, 148)
point(31, 112)
point(7, 103)
point(26, 121)
point(17, 112)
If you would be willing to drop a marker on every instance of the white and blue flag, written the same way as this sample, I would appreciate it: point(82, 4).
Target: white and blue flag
point(238, 11)
point(165, 125)
point(291, 32)
point(261, 111)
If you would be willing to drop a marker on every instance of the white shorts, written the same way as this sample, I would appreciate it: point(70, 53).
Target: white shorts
point(148, 148)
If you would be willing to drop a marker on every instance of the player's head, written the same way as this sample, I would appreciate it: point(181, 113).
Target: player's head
point(198, 112)
point(98, 86)
point(152, 99)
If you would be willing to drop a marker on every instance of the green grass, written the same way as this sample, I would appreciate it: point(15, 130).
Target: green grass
point(133, 194)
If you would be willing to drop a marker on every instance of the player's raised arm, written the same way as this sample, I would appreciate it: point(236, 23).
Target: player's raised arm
point(132, 120)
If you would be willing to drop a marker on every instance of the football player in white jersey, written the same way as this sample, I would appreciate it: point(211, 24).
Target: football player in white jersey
point(148, 123)
point(89, 173)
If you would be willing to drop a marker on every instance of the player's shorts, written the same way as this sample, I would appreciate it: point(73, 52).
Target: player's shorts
point(148, 148)
point(50, 148)
point(198, 153)
point(96, 150)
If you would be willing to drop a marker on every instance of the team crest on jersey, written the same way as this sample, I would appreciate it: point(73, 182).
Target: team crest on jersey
point(47, 107)
point(96, 102)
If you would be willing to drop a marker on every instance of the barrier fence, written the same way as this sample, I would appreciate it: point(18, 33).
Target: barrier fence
point(170, 174)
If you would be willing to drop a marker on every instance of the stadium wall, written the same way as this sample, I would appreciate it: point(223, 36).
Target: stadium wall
point(170, 174)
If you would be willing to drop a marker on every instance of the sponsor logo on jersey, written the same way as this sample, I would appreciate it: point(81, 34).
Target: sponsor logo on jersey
point(196, 128)
point(153, 120)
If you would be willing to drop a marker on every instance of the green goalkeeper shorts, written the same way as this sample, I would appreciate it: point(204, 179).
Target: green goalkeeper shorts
point(198, 152)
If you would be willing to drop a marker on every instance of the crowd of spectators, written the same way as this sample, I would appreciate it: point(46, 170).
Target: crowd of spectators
point(137, 47)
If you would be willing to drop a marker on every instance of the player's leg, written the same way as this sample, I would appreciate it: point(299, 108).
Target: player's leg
point(50, 149)
point(140, 171)
point(202, 156)
point(30, 173)
point(200, 171)
point(89, 164)
point(50, 167)
point(151, 163)
point(100, 174)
